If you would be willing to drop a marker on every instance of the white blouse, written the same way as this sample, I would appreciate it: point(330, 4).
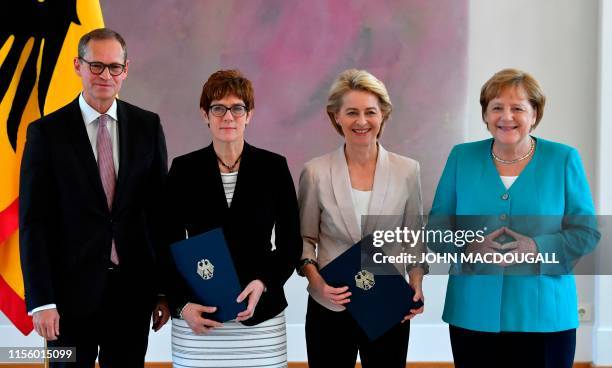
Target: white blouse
point(361, 203)
point(508, 180)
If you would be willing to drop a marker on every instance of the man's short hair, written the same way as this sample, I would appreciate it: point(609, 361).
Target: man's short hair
point(101, 34)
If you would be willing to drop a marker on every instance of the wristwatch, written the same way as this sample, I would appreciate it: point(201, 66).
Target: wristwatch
point(305, 262)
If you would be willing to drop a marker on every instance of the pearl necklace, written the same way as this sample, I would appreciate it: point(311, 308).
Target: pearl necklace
point(510, 162)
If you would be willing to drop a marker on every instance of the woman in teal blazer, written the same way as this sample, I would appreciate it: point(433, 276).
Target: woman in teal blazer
point(533, 194)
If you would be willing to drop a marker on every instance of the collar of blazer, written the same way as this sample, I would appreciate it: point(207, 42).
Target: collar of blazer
point(82, 146)
point(212, 167)
point(341, 183)
point(491, 176)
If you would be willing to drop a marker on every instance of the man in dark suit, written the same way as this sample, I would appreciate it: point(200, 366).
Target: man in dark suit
point(91, 181)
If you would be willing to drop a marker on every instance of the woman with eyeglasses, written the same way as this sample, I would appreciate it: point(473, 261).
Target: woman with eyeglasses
point(248, 192)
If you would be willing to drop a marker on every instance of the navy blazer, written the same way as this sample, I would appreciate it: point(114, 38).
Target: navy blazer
point(65, 225)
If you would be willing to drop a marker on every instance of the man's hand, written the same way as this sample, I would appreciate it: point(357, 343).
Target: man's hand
point(46, 323)
point(161, 314)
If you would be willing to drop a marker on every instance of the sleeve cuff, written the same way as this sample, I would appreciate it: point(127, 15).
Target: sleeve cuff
point(42, 308)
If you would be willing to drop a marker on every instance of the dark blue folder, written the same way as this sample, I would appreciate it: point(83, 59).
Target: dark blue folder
point(384, 297)
point(205, 263)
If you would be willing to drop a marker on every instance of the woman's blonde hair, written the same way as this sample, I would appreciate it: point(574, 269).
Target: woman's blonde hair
point(513, 78)
point(357, 80)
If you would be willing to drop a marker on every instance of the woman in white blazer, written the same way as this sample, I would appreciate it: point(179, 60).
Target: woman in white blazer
point(336, 190)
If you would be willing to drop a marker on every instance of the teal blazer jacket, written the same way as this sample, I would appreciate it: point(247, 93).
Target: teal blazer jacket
point(551, 190)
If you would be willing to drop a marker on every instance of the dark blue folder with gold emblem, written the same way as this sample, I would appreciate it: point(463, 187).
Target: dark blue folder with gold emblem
point(380, 298)
point(205, 263)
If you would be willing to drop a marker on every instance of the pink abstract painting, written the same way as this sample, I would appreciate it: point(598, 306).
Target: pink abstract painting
point(292, 51)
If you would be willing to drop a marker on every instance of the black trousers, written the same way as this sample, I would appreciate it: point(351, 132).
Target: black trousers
point(119, 329)
point(333, 339)
point(475, 349)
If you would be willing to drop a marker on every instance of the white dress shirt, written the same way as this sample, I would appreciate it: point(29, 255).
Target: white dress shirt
point(90, 117)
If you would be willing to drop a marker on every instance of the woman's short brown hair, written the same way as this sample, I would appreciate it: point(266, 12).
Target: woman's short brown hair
point(357, 80)
point(513, 78)
point(224, 83)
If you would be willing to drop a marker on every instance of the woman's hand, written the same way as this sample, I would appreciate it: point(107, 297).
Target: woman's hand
point(253, 290)
point(521, 245)
point(337, 296)
point(415, 279)
point(192, 314)
point(489, 245)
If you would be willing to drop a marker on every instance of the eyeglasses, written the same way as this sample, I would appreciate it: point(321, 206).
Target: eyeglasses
point(236, 110)
point(97, 68)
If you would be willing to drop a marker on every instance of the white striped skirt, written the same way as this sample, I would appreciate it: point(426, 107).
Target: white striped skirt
point(233, 345)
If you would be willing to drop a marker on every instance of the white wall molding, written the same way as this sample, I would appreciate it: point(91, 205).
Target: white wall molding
point(602, 333)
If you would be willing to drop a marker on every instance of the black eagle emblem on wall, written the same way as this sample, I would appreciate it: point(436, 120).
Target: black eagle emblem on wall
point(43, 20)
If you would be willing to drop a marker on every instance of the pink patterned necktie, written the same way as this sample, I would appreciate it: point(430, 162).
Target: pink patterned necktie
point(106, 167)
